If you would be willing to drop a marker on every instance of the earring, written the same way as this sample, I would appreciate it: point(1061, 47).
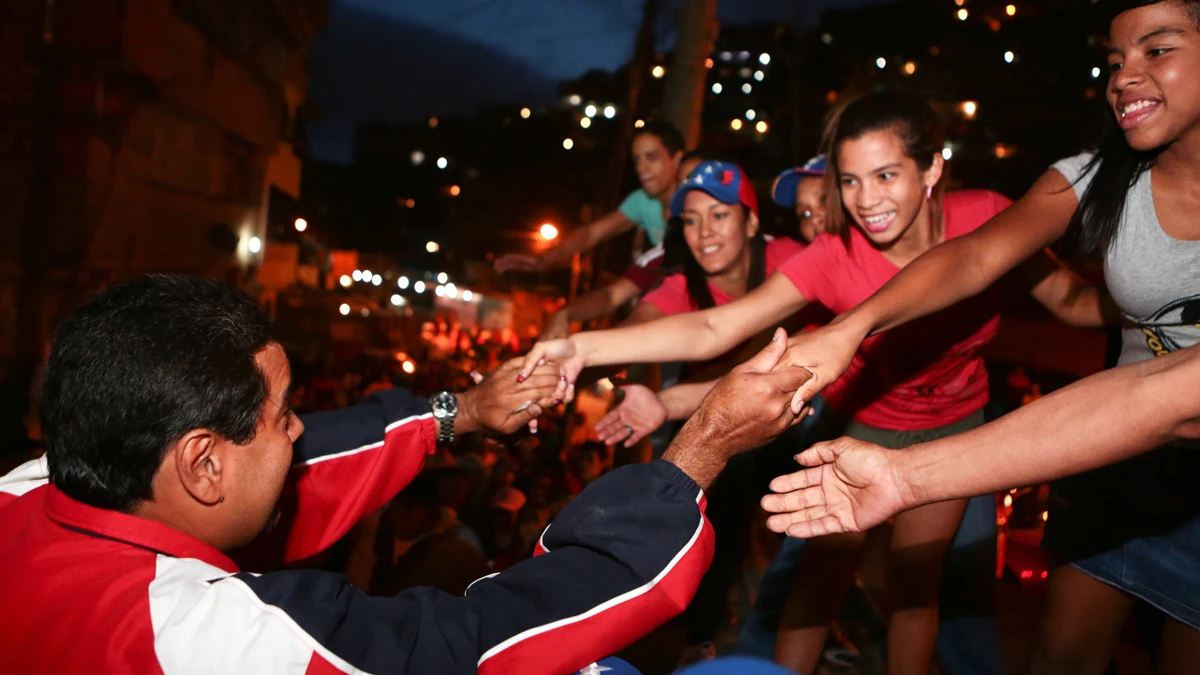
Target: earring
point(220, 499)
point(928, 192)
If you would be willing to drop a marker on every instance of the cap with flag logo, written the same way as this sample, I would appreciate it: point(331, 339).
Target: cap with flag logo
point(784, 189)
point(723, 181)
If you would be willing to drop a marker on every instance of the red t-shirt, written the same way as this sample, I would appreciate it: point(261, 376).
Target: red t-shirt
point(672, 297)
point(926, 373)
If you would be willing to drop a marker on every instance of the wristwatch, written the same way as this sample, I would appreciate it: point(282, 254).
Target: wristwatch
point(445, 409)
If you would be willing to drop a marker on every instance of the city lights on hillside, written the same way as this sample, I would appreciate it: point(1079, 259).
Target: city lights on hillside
point(610, 111)
point(761, 127)
point(717, 88)
point(1009, 57)
point(590, 110)
point(969, 109)
point(585, 122)
point(525, 113)
point(658, 72)
point(548, 231)
point(736, 124)
point(910, 68)
point(962, 14)
point(1011, 10)
point(443, 162)
point(764, 59)
point(881, 63)
point(402, 283)
point(255, 244)
point(568, 143)
point(432, 246)
point(301, 224)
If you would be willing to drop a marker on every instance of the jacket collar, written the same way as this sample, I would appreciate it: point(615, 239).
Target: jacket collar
point(133, 530)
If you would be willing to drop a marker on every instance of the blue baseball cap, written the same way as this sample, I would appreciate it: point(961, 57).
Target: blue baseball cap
point(784, 189)
point(610, 666)
point(723, 181)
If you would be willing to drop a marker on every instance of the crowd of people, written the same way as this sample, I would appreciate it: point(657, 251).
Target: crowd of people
point(183, 498)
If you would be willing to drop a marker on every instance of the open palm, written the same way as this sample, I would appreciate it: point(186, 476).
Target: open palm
point(850, 486)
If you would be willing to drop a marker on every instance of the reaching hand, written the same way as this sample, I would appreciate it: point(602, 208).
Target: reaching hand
point(826, 352)
point(851, 486)
point(746, 408)
point(502, 404)
point(516, 261)
point(563, 356)
point(639, 414)
point(558, 327)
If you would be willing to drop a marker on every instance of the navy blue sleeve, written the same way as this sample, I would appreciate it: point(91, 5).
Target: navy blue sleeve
point(620, 560)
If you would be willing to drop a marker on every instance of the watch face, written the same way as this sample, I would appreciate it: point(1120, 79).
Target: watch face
point(444, 404)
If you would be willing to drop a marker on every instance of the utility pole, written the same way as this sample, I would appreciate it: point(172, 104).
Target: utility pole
point(683, 99)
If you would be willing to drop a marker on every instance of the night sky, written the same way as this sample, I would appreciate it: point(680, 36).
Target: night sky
point(403, 60)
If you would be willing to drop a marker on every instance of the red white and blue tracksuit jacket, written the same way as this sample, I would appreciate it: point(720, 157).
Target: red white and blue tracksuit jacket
point(92, 590)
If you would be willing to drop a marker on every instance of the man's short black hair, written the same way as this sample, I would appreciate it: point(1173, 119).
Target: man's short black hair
point(666, 132)
point(138, 366)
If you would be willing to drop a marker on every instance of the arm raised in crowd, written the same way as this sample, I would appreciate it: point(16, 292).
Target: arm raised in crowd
point(852, 485)
point(580, 239)
point(949, 272)
point(692, 336)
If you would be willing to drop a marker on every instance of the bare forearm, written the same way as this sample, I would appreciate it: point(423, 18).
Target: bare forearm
point(683, 399)
point(601, 302)
point(680, 337)
point(1099, 420)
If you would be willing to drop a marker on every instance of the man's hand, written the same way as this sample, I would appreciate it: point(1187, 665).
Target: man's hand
point(747, 408)
point(851, 486)
point(826, 352)
point(502, 404)
point(517, 261)
point(639, 414)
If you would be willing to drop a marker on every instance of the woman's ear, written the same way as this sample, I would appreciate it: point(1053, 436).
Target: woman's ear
point(751, 224)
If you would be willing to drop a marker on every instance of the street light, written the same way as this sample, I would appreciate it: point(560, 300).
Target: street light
point(568, 144)
point(442, 163)
point(658, 72)
point(402, 283)
point(419, 287)
point(376, 280)
point(548, 231)
point(344, 310)
point(969, 108)
point(610, 111)
point(255, 244)
point(525, 113)
point(431, 246)
point(442, 277)
point(357, 275)
point(467, 296)
point(345, 281)
point(301, 224)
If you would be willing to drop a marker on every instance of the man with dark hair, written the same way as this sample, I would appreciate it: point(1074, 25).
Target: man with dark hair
point(171, 451)
point(658, 149)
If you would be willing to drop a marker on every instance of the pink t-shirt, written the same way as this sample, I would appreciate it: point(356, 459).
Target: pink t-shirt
point(672, 297)
point(926, 373)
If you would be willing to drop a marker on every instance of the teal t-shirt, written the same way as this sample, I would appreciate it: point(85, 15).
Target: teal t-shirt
point(647, 213)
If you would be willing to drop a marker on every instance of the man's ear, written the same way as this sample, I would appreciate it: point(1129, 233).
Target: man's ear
point(199, 467)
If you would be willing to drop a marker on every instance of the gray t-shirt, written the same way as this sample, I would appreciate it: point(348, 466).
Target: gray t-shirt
point(1154, 277)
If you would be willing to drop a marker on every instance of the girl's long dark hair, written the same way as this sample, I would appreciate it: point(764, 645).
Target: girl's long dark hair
point(677, 255)
point(1115, 169)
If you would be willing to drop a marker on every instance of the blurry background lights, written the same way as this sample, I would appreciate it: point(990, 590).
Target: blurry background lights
point(431, 246)
point(574, 99)
point(419, 287)
point(451, 291)
point(761, 127)
point(881, 63)
point(525, 113)
point(590, 110)
point(410, 202)
point(376, 280)
point(442, 277)
point(568, 143)
point(639, 124)
point(344, 309)
point(1010, 10)
point(548, 231)
point(910, 68)
point(736, 124)
point(962, 14)
point(468, 295)
point(947, 154)
point(409, 367)
point(759, 75)
point(764, 59)
point(708, 63)
point(1095, 73)
point(969, 108)
point(402, 283)
point(1009, 57)
point(366, 275)
point(397, 300)
point(255, 244)
point(440, 291)
point(345, 281)
point(417, 157)
point(357, 275)
point(442, 162)
point(658, 71)
point(717, 88)
point(455, 190)
point(610, 111)
point(585, 122)
point(750, 114)
point(301, 224)
point(746, 88)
